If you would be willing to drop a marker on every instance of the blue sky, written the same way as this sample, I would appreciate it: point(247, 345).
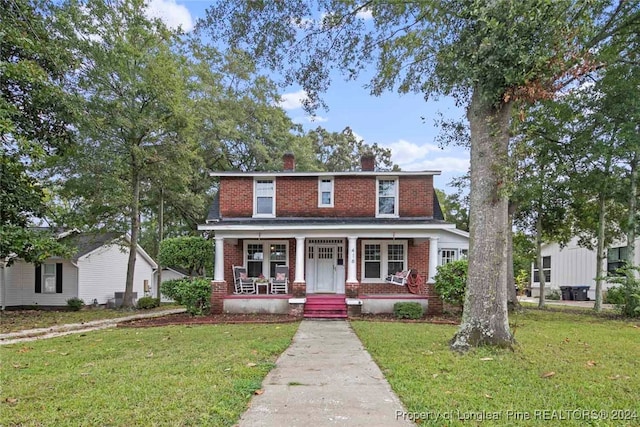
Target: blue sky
point(403, 123)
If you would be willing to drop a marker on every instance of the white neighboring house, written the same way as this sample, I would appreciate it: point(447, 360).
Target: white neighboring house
point(573, 265)
point(95, 273)
point(169, 273)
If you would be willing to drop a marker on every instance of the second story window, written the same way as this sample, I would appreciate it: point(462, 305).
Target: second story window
point(387, 198)
point(325, 192)
point(264, 203)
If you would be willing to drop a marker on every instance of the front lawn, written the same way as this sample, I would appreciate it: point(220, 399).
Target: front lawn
point(567, 368)
point(18, 320)
point(176, 375)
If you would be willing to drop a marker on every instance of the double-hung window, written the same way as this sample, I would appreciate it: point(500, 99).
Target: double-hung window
point(48, 278)
point(546, 270)
point(264, 203)
point(262, 257)
point(387, 197)
point(325, 192)
point(447, 256)
point(382, 258)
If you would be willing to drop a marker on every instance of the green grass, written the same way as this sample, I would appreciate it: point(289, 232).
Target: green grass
point(595, 363)
point(13, 321)
point(176, 375)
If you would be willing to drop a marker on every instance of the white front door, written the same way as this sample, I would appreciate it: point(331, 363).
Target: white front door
point(326, 269)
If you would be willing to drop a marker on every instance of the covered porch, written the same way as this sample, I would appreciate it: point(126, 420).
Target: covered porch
point(323, 260)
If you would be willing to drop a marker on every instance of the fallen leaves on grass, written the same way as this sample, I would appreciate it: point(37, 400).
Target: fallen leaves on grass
point(251, 364)
point(11, 400)
point(24, 349)
point(548, 374)
point(258, 392)
point(484, 359)
point(590, 363)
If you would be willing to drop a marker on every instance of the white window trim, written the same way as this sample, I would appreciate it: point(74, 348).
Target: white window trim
point(320, 204)
point(266, 258)
point(456, 254)
point(384, 258)
point(255, 198)
point(44, 276)
point(397, 196)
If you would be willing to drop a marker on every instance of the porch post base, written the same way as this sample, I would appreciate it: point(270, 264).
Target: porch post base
point(218, 292)
point(352, 289)
point(299, 289)
point(434, 303)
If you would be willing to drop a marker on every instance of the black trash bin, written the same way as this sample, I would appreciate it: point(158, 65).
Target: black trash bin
point(567, 295)
point(580, 293)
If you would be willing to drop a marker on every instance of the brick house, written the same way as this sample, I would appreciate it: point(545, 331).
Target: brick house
point(341, 234)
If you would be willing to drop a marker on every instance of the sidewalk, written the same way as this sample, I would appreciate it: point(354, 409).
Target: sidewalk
point(324, 378)
point(75, 328)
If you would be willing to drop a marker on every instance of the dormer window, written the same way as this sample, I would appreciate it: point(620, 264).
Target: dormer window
point(325, 192)
point(264, 203)
point(387, 197)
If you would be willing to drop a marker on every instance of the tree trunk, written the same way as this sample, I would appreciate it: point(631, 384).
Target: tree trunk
point(541, 278)
point(160, 238)
point(512, 303)
point(135, 229)
point(633, 201)
point(485, 318)
point(601, 256)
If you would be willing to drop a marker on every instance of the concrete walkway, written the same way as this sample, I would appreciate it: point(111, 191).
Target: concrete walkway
point(76, 328)
point(556, 303)
point(325, 378)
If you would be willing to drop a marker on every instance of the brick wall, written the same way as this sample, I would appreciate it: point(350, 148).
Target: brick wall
point(354, 196)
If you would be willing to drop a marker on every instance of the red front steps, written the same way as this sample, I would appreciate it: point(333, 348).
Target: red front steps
point(325, 307)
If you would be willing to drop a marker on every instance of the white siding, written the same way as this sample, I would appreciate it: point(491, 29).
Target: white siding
point(104, 272)
point(20, 285)
point(574, 265)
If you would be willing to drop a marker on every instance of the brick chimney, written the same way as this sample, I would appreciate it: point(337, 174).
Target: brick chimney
point(368, 162)
point(288, 162)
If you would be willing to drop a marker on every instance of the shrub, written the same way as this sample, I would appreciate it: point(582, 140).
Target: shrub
point(408, 310)
point(553, 295)
point(629, 292)
point(194, 294)
point(614, 295)
point(146, 303)
point(75, 304)
point(451, 281)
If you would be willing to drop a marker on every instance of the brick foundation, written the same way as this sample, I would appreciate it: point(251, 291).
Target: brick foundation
point(296, 310)
point(435, 305)
point(218, 292)
point(352, 289)
point(299, 289)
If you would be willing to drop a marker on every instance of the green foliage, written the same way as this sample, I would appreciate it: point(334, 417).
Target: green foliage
point(75, 304)
point(553, 295)
point(614, 295)
point(190, 253)
point(522, 280)
point(455, 209)
point(451, 281)
point(628, 293)
point(146, 303)
point(194, 294)
point(408, 310)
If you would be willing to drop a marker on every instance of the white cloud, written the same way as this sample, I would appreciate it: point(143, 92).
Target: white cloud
point(444, 164)
point(293, 100)
point(416, 157)
point(317, 119)
point(405, 152)
point(172, 14)
point(365, 14)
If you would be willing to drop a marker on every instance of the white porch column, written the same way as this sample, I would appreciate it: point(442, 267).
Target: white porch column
point(351, 259)
point(433, 258)
point(218, 266)
point(299, 276)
